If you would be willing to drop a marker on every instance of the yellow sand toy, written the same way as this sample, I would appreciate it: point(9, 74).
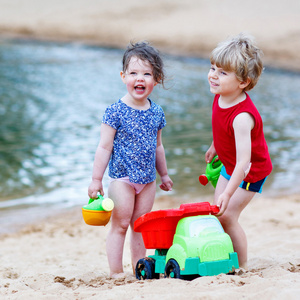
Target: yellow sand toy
point(98, 211)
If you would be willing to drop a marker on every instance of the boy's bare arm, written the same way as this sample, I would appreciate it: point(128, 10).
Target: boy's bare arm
point(242, 125)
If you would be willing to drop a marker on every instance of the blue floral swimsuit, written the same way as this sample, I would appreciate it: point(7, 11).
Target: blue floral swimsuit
point(135, 141)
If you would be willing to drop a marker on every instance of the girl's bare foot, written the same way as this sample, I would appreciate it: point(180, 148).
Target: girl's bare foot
point(118, 275)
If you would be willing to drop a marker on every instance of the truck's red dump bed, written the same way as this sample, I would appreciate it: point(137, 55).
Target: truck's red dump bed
point(158, 227)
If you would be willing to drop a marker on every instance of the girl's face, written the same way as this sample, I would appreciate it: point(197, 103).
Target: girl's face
point(139, 79)
point(224, 83)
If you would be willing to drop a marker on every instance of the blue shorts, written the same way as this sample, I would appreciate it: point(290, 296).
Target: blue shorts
point(253, 187)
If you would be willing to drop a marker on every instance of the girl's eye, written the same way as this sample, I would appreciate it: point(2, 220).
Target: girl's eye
point(148, 74)
point(223, 73)
point(132, 73)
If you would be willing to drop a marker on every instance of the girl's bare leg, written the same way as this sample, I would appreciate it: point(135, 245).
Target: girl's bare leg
point(143, 204)
point(123, 196)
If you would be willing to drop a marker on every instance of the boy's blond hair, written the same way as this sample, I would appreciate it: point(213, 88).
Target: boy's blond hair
point(241, 56)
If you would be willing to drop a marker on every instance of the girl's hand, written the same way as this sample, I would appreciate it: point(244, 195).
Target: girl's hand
point(222, 203)
point(94, 188)
point(166, 183)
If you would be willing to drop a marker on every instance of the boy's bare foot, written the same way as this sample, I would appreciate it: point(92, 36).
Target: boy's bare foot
point(244, 266)
point(242, 270)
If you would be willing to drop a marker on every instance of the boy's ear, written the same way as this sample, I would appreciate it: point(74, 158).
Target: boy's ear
point(244, 84)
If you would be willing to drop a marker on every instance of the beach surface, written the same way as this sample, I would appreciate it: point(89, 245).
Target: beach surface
point(191, 27)
point(63, 258)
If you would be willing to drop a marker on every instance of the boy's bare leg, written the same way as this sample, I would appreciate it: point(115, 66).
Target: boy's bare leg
point(229, 220)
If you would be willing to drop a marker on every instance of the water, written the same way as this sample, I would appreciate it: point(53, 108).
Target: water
point(52, 97)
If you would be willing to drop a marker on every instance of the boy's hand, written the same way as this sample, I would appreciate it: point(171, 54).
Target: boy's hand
point(210, 153)
point(166, 183)
point(222, 203)
point(94, 188)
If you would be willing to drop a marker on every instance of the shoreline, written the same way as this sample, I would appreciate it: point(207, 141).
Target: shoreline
point(270, 61)
point(192, 28)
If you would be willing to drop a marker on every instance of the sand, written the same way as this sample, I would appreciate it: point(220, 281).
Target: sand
point(62, 257)
point(191, 27)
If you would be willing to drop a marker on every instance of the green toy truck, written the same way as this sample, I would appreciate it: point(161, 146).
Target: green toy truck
point(189, 242)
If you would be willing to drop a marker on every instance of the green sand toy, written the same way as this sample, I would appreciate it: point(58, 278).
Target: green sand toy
point(212, 172)
point(189, 242)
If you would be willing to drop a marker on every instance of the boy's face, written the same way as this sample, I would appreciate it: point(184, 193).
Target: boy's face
point(139, 79)
point(224, 83)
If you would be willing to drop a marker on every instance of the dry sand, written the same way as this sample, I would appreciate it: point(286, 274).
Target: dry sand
point(191, 27)
point(62, 257)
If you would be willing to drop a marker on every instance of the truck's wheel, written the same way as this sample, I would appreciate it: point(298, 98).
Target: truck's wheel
point(172, 269)
point(145, 269)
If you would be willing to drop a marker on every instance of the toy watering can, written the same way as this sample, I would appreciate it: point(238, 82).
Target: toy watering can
point(212, 172)
point(98, 211)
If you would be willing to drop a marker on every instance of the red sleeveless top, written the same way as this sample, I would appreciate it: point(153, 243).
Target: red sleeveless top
point(224, 140)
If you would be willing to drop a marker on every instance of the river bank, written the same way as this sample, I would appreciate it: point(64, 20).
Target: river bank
point(187, 28)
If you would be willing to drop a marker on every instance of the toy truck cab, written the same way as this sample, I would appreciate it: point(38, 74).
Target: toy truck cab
point(200, 247)
point(189, 242)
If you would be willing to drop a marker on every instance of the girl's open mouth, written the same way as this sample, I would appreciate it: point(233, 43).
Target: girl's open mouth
point(139, 88)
